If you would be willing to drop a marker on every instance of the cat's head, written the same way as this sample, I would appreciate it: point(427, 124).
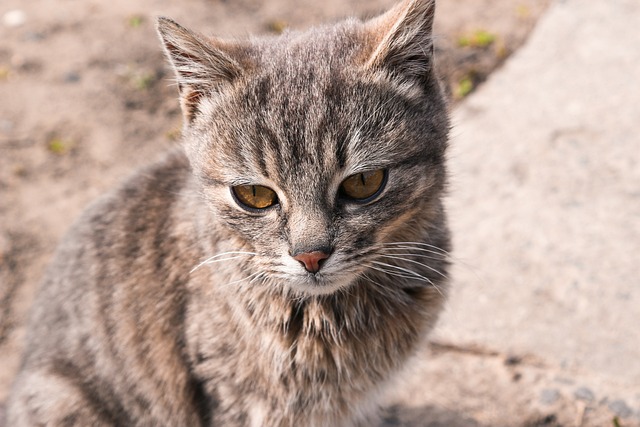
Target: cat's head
point(318, 148)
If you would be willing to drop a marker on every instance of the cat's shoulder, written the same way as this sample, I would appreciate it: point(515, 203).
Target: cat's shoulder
point(145, 200)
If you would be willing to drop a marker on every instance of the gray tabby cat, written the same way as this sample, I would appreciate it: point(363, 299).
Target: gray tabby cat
point(281, 267)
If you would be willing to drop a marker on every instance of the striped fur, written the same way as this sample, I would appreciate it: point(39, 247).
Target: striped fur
point(169, 304)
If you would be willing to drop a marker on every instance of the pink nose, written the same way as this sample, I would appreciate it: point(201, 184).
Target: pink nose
point(312, 261)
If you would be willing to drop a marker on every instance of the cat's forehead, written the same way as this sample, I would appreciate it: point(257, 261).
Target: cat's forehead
point(306, 129)
point(321, 47)
point(310, 112)
point(306, 125)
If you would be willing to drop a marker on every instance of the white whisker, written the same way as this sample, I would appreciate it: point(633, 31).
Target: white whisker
point(411, 272)
point(440, 258)
point(250, 277)
point(415, 245)
point(393, 273)
point(431, 249)
point(258, 276)
point(378, 286)
point(416, 262)
point(212, 259)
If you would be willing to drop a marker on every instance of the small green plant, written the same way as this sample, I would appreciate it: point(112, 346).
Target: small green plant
point(477, 38)
point(58, 146)
point(135, 21)
point(464, 87)
point(143, 81)
point(616, 422)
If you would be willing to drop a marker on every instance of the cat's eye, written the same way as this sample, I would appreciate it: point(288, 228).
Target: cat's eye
point(254, 196)
point(364, 186)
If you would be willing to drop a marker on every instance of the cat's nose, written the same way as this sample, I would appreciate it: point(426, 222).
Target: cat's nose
point(312, 261)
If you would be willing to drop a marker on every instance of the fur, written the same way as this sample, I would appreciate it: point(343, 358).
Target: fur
point(169, 304)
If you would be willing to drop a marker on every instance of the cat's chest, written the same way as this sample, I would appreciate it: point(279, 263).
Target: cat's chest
point(317, 347)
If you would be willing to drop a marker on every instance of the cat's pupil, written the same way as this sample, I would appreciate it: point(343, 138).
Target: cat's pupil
point(364, 185)
point(254, 196)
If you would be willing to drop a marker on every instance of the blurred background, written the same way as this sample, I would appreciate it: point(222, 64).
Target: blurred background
point(542, 327)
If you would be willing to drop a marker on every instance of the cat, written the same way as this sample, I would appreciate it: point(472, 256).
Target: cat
point(282, 266)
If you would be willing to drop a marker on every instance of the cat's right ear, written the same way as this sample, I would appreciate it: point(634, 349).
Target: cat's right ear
point(203, 66)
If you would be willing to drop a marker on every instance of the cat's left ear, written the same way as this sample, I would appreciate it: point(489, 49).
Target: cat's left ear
point(401, 40)
point(203, 66)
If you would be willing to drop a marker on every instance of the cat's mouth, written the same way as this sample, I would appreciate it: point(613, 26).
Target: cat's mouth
point(322, 282)
point(331, 276)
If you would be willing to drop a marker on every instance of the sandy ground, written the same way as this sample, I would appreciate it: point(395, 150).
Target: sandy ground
point(85, 99)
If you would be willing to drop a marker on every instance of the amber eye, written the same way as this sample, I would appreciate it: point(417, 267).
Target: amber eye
point(254, 196)
point(364, 185)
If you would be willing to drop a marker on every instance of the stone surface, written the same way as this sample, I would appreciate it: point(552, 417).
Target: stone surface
point(545, 213)
point(545, 203)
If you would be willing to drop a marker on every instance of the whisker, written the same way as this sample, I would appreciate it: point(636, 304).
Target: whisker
point(378, 287)
point(435, 250)
point(213, 262)
point(210, 260)
point(249, 277)
point(416, 262)
point(416, 254)
point(414, 247)
point(410, 272)
point(259, 276)
point(416, 275)
point(393, 273)
point(413, 244)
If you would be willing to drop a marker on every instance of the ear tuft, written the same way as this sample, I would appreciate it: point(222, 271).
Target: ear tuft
point(203, 66)
point(403, 39)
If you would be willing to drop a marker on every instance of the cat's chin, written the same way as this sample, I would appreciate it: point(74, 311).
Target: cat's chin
point(318, 285)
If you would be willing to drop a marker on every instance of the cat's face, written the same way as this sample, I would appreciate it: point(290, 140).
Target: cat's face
point(315, 159)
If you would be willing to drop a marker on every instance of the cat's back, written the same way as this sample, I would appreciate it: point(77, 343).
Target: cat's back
point(126, 228)
point(91, 318)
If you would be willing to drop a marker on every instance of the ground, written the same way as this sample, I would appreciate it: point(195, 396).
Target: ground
point(85, 99)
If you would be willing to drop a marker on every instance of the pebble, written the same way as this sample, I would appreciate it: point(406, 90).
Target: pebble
point(584, 393)
point(549, 396)
point(34, 36)
point(512, 360)
point(71, 77)
point(620, 408)
point(14, 18)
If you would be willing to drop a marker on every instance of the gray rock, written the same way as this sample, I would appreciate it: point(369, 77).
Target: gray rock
point(71, 77)
point(620, 408)
point(34, 36)
point(584, 393)
point(549, 396)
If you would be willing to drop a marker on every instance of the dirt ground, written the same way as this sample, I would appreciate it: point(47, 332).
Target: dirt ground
point(85, 99)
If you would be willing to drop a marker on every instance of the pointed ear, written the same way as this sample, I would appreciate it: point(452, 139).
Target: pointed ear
point(203, 66)
point(402, 39)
